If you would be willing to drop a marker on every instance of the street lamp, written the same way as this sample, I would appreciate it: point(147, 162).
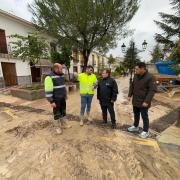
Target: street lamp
point(144, 45)
point(132, 47)
point(123, 48)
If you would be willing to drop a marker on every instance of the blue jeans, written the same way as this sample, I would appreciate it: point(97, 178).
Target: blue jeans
point(86, 101)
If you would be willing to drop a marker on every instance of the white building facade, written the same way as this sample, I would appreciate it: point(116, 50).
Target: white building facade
point(97, 60)
point(15, 71)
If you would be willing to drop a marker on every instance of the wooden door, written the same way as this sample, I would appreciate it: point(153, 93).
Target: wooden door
point(9, 73)
point(36, 74)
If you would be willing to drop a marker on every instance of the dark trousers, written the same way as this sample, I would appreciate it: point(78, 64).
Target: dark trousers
point(144, 114)
point(60, 110)
point(108, 107)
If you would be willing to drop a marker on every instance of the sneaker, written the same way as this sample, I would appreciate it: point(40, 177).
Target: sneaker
point(144, 135)
point(90, 119)
point(81, 122)
point(113, 126)
point(133, 129)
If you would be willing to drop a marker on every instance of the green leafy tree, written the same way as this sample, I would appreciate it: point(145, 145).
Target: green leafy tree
point(120, 69)
point(86, 24)
point(31, 48)
point(156, 54)
point(170, 25)
point(111, 60)
point(62, 57)
point(175, 55)
point(131, 57)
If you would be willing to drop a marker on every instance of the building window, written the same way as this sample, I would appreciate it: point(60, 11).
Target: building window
point(30, 40)
point(3, 44)
point(75, 69)
point(75, 56)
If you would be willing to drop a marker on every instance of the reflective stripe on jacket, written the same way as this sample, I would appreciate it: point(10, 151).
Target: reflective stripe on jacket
point(54, 87)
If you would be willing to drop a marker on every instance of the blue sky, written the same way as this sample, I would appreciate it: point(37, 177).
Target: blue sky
point(142, 22)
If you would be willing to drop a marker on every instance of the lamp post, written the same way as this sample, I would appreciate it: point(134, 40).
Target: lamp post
point(132, 47)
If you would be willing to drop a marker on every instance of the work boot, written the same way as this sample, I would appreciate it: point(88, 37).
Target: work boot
point(57, 124)
point(65, 124)
point(81, 120)
point(59, 131)
point(113, 126)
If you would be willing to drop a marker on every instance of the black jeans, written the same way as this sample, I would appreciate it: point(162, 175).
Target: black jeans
point(108, 107)
point(60, 110)
point(144, 114)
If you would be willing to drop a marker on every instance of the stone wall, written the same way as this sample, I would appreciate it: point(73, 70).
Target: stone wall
point(1, 82)
point(28, 94)
point(24, 80)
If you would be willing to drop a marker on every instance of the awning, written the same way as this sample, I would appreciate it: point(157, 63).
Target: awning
point(44, 63)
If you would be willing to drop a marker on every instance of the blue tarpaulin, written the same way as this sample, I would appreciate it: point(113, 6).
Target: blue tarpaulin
point(165, 67)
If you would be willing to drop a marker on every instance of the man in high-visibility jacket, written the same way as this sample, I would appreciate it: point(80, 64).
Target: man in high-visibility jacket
point(55, 91)
point(87, 81)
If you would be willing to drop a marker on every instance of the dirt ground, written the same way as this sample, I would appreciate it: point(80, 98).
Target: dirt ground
point(30, 149)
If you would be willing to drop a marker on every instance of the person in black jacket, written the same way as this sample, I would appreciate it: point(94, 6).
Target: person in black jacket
point(142, 91)
point(107, 94)
point(56, 94)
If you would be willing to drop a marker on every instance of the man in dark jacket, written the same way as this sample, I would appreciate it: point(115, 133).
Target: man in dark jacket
point(107, 94)
point(55, 91)
point(142, 91)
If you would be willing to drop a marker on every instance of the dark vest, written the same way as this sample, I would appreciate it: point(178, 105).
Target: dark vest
point(59, 90)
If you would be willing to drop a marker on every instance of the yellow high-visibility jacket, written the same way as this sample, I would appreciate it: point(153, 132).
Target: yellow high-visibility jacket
point(87, 83)
point(55, 87)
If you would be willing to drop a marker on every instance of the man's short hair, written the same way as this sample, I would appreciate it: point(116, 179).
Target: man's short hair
point(90, 67)
point(141, 65)
point(108, 71)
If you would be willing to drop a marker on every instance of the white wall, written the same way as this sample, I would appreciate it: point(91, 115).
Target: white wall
point(22, 68)
point(13, 26)
point(1, 74)
point(96, 59)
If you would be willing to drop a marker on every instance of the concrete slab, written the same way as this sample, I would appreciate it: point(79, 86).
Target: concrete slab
point(170, 136)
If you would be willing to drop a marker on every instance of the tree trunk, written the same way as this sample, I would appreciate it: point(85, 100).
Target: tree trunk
point(68, 74)
point(86, 54)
